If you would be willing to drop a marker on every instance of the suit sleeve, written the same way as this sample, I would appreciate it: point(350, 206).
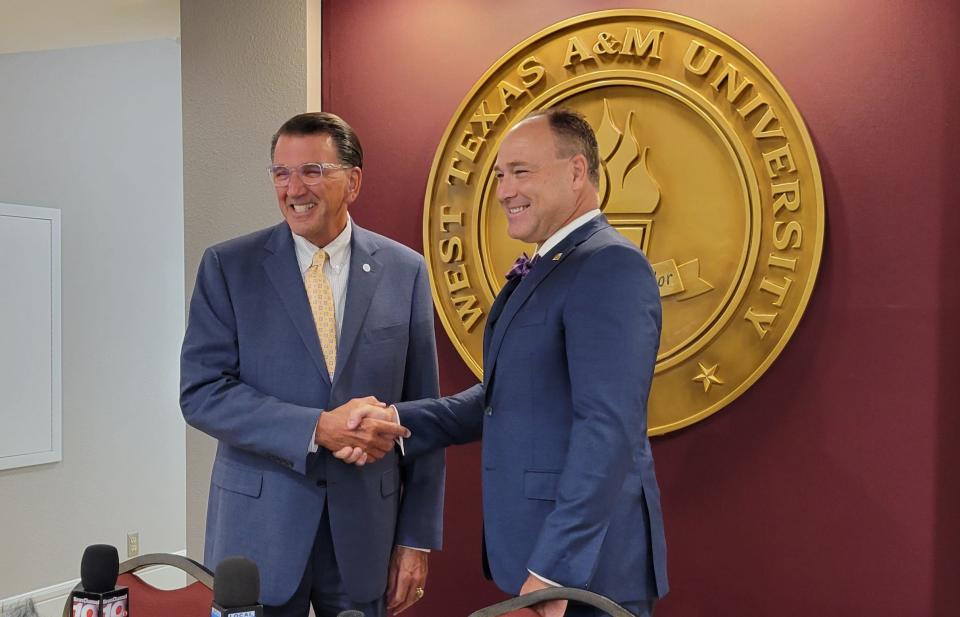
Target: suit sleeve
point(438, 423)
point(420, 521)
point(612, 334)
point(214, 400)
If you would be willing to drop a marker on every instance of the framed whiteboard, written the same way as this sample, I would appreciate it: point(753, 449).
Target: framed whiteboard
point(30, 378)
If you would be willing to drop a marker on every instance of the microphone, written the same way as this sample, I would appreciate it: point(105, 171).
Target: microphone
point(98, 595)
point(236, 589)
point(351, 613)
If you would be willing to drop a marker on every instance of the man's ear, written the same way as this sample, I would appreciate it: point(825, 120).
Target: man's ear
point(354, 180)
point(580, 169)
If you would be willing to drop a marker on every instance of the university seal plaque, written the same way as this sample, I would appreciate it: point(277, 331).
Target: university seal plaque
point(706, 166)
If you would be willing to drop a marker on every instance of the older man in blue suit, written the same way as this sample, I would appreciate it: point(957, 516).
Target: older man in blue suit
point(569, 492)
point(287, 325)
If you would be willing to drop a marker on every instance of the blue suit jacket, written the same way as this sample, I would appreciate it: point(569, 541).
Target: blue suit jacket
point(254, 378)
point(569, 489)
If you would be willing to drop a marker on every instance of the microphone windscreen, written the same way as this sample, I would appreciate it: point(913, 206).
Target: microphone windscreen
point(351, 613)
point(99, 568)
point(236, 582)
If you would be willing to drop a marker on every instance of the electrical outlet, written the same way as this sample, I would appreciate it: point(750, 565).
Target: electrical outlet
point(133, 544)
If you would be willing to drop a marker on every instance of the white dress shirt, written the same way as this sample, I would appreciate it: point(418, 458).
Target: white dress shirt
point(336, 268)
point(558, 236)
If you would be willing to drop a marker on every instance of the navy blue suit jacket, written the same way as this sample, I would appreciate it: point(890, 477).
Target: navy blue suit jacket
point(254, 378)
point(569, 490)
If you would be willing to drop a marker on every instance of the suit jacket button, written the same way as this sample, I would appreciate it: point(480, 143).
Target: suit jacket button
point(321, 482)
point(488, 411)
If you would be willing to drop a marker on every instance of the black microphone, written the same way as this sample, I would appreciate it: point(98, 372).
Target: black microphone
point(98, 595)
point(236, 589)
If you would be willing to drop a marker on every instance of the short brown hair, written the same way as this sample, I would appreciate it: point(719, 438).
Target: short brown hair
point(349, 150)
point(574, 136)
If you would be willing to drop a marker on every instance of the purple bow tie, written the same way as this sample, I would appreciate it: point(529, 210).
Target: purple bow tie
point(521, 266)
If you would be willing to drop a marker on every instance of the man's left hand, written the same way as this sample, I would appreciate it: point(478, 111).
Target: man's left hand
point(551, 608)
point(407, 575)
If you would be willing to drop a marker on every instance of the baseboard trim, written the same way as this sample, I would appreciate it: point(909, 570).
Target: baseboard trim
point(46, 595)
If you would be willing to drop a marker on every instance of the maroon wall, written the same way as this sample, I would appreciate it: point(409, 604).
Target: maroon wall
point(830, 487)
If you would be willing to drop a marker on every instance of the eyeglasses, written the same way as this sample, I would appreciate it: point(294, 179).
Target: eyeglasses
point(310, 173)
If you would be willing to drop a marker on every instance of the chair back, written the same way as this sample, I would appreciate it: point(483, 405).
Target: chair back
point(145, 600)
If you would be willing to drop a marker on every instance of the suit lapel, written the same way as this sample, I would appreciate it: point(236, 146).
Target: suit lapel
point(512, 304)
point(500, 301)
point(495, 310)
point(365, 274)
point(283, 271)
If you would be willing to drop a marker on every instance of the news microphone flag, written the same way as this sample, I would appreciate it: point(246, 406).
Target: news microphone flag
point(99, 595)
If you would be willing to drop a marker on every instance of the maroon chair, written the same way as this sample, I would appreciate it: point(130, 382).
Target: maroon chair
point(192, 600)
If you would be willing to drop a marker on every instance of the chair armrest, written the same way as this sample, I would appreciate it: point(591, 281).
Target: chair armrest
point(555, 593)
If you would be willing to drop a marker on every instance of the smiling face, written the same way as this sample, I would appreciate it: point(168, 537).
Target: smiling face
point(539, 191)
point(318, 212)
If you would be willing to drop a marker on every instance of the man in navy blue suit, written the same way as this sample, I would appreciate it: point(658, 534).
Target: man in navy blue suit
point(569, 492)
point(287, 326)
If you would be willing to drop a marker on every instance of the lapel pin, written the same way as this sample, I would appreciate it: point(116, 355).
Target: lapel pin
point(557, 257)
point(366, 267)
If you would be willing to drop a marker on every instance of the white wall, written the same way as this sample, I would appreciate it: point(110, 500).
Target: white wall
point(96, 132)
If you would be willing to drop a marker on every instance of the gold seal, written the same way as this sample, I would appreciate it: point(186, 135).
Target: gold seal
point(707, 167)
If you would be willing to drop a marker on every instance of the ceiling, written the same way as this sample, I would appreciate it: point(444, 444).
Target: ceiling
point(32, 25)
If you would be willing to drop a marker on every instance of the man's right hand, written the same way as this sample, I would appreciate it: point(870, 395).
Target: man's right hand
point(359, 415)
point(373, 436)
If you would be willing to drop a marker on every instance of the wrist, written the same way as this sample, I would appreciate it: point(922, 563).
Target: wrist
point(321, 432)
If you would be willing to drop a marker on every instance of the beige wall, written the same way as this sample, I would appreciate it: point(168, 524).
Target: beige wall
point(245, 71)
point(36, 25)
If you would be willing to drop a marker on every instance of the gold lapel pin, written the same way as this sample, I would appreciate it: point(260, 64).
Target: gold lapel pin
point(557, 257)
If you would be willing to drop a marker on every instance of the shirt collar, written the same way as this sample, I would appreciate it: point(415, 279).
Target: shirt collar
point(338, 249)
point(566, 230)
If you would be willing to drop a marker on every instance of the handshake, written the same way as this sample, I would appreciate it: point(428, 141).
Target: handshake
point(360, 431)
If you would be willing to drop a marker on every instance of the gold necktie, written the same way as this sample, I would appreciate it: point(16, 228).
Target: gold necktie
point(321, 305)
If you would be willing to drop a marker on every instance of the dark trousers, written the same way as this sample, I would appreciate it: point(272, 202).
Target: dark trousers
point(321, 585)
